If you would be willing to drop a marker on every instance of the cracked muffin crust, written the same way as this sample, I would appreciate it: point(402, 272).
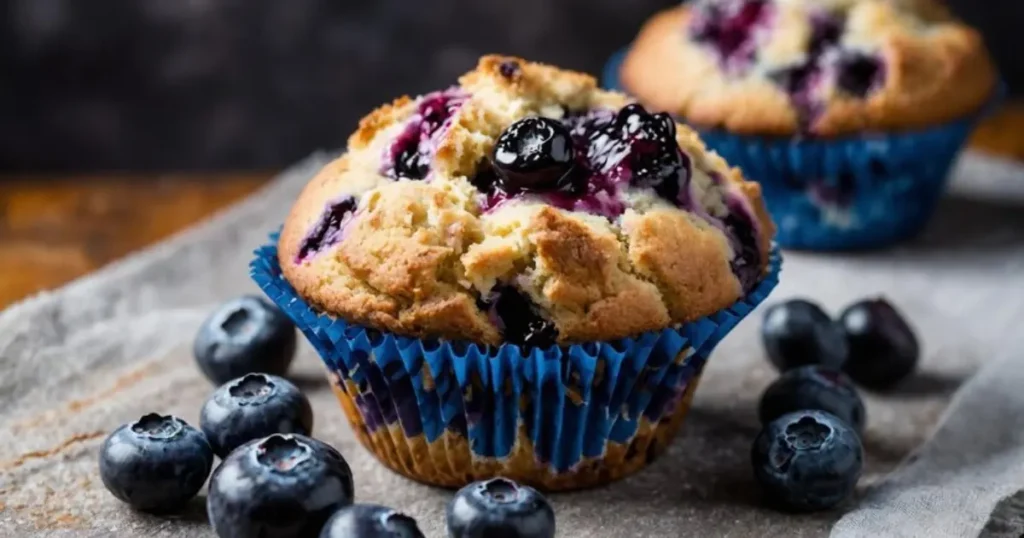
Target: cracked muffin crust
point(823, 67)
point(527, 206)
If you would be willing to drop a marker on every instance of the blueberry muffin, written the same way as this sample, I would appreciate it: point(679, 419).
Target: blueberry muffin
point(788, 90)
point(483, 261)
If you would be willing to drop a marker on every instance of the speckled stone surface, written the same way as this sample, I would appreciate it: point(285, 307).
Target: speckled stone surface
point(80, 361)
point(186, 84)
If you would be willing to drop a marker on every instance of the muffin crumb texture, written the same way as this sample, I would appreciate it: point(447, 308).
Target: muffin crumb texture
point(524, 205)
point(824, 67)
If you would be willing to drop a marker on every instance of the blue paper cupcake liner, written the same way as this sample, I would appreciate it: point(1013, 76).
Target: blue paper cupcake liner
point(464, 406)
point(857, 192)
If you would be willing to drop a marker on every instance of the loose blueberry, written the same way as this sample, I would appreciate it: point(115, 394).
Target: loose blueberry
point(534, 154)
point(370, 521)
point(808, 460)
point(813, 388)
point(499, 508)
point(883, 347)
point(244, 336)
point(156, 464)
point(797, 333)
point(519, 319)
point(281, 486)
point(252, 407)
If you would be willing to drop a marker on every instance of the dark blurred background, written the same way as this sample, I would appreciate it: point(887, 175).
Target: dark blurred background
point(154, 85)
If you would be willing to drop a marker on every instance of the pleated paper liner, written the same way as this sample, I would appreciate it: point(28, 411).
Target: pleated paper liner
point(863, 191)
point(449, 413)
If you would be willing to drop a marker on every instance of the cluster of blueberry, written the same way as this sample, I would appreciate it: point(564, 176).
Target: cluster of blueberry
point(275, 481)
point(809, 455)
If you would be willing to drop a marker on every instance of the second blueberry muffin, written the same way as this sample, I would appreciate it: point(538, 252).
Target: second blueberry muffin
point(849, 112)
point(520, 275)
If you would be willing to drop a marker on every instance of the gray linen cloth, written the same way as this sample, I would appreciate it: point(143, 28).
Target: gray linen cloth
point(77, 362)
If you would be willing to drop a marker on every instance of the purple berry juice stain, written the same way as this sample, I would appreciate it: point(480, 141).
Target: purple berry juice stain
point(410, 154)
point(328, 229)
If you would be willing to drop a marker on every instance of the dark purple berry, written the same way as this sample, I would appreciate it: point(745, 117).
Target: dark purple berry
point(509, 68)
point(858, 74)
point(519, 319)
point(739, 226)
point(253, 407)
point(534, 155)
point(840, 193)
point(607, 150)
point(370, 521)
point(409, 163)
point(327, 229)
point(654, 159)
point(499, 508)
point(799, 333)
point(826, 30)
point(813, 388)
point(795, 79)
point(729, 27)
point(156, 464)
point(244, 336)
point(282, 486)
point(883, 347)
point(807, 460)
point(641, 146)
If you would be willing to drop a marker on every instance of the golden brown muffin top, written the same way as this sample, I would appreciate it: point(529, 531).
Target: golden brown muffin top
point(524, 205)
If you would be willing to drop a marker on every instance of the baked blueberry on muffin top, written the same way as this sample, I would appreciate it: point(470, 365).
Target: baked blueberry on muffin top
point(524, 205)
point(824, 67)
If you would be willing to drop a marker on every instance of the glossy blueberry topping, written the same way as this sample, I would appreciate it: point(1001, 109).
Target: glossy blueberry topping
point(410, 154)
point(729, 28)
point(499, 508)
point(534, 155)
point(798, 333)
point(739, 227)
point(817, 388)
point(610, 151)
point(328, 229)
point(883, 347)
point(807, 460)
point(370, 521)
point(826, 30)
point(281, 486)
point(519, 319)
point(243, 336)
point(251, 407)
point(156, 464)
